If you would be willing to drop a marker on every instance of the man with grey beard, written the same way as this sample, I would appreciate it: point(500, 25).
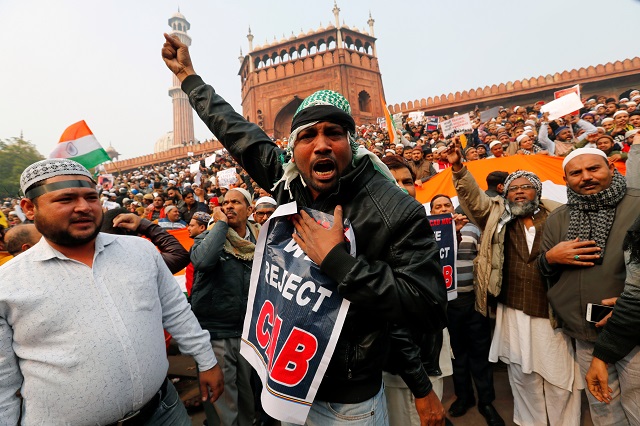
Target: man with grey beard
point(540, 359)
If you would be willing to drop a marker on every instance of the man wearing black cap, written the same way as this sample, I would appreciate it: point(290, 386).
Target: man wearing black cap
point(395, 282)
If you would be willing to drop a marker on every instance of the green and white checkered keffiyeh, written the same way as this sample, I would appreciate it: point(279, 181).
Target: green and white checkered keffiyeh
point(342, 116)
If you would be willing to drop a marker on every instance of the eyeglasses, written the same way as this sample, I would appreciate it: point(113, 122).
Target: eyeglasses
point(260, 214)
point(515, 188)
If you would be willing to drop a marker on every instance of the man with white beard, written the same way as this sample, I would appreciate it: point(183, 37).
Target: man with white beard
point(540, 359)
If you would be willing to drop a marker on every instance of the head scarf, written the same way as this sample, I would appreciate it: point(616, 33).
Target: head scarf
point(507, 216)
point(591, 216)
point(325, 105)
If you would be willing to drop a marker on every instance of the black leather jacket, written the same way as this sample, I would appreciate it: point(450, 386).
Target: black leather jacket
point(394, 283)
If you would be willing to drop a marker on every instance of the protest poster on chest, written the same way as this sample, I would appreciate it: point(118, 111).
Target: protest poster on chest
point(294, 317)
point(444, 229)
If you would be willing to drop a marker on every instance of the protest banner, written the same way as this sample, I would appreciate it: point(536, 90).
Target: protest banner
point(293, 320)
point(106, 181)
point(432, 123)
point(416, 117)
point(190, 153)
point(456, 125)
point(560, 93)
point(382, 122)
point(397, 120)
point(444, 229)
point(562, 106)
point(227, 177)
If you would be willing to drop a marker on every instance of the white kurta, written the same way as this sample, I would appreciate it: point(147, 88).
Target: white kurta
point(533, 344)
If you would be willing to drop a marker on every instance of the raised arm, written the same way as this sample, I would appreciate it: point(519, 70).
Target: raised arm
point(474, 201)
point(246, 142)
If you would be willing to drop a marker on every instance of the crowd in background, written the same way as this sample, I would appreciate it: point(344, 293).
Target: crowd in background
point(606, 123)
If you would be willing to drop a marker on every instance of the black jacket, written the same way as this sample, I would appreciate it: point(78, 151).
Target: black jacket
point(220, 284)
point(394, 283)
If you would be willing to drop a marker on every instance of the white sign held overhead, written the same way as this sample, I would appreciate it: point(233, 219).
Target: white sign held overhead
point(227, 177)
point(562, 106)
point(457, 124)
point(209, 160)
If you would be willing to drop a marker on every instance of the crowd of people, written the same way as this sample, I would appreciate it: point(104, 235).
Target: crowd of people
point(532, 263)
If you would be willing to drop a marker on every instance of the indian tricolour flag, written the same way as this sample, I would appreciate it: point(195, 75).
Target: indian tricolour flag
point(391, 128)
point(78, 144)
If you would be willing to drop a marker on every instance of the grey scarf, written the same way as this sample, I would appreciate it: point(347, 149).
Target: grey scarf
point(591, 216)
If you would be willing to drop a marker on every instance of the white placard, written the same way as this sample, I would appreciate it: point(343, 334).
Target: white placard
point(457, 124)
point(562, 106)
point(227, 177)
point(209, 160)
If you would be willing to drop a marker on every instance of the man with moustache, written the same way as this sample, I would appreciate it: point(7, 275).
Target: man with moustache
point(82, 344)
point(539, 358)
point(222, 259)
point(582, 259)
point(422, 168)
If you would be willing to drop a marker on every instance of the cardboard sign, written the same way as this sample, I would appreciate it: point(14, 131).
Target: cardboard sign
point(444, 229)
point(562, 106)
point(416, 117)
point(397, 120)
point(489, 114)
point(106, 182)
point(456, 125)
point(209, 160)
point(194, 167)
point(560, 93)
point(432, 123)
point(294, 317)
point(227, 177)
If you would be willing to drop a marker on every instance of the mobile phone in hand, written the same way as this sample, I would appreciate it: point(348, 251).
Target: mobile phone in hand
point(595, 312)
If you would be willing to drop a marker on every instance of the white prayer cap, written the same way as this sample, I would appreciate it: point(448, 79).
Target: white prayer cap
point(598, 106)
point(581, 151)
point(515, 108)
point(527, 128)
point(45, 169)
point(390, 151)
point(522, 136)
point(630, 133)
point(617, 113)
point(530, 122)
point(623, 99)
point(591, 100)
point(399, 145)
point(606, 120)
point(636, 98)
point(170, 207)
point(266, 200)
point(494, 143)
point(244, 192)
point(632, 103)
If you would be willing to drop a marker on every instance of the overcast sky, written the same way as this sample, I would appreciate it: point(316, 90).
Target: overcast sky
point(99, 61)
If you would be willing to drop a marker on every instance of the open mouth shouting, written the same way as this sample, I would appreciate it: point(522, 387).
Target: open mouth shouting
point(324, 169)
